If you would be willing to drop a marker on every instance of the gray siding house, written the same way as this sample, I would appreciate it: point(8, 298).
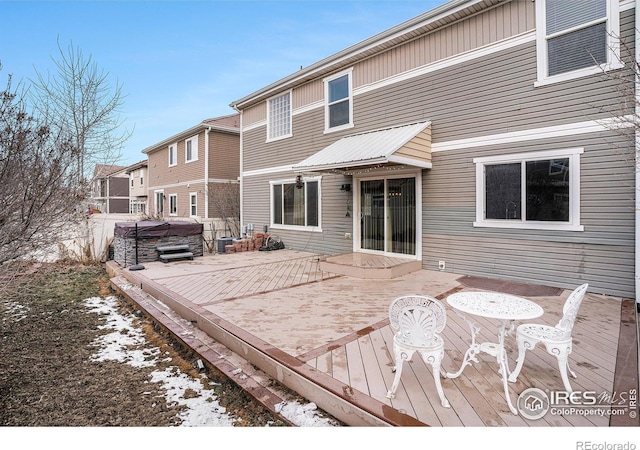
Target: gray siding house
point(482, 137)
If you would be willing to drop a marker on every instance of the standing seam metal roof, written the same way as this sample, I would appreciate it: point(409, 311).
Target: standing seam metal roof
point(369, 147)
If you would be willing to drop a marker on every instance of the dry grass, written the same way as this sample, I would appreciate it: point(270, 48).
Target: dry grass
point(47, 377)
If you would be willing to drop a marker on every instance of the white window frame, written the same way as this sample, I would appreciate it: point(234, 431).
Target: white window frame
point(349, 73)
point(313, 228)
point(613, 45)
point(173, 204)
point(574, 191)
point(193, 204)
point(194, 149)
point(159, 211)
point(173, 154)
point(272, 120)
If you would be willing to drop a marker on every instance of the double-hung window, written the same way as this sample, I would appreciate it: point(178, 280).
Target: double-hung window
point(173, 155)
point(338, 101)
point(296, 203)
point(173, 204)
point(279, 117)
point(538, 190)
point(193, 204)
point(191, 149)
point(576, 38)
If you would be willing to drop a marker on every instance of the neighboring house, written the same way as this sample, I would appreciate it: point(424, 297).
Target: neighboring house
point(138, 191)
point(478, 138)
point(110, 191)
point(195, 173)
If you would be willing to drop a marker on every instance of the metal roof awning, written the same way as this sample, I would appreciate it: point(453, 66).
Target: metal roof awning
point(408, 144)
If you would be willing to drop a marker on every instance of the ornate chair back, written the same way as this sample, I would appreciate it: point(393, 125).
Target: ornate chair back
point(570, 310)
point(417, 320)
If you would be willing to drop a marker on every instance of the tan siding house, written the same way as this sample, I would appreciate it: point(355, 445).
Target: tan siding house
point(138, 187)
point(188, 172)
point(479, 138)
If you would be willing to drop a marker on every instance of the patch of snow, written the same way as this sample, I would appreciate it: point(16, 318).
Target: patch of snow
point(203, 407)
point(303, 415)
point(126, 344)
point(16, 311)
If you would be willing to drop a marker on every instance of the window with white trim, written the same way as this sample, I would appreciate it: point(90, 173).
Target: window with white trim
point(191, 149)
point(576, 38)
point(279, 117)
point(193, 204)
point(538, 190)
point(295, 203)
point(159, 203)
point(173, 204)
point(173, 155)
point(338, 101)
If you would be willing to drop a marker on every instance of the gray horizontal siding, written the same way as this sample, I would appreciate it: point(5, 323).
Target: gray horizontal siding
point(334, 221)
point(489, 95)
point(603, 254)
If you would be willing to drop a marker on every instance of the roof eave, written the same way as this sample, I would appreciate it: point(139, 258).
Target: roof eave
point(406, 27)
point(190, 132)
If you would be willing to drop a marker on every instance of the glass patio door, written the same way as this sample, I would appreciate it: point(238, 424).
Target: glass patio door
point(388, 215)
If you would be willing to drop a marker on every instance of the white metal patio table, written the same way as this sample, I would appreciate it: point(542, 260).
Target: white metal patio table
point(493, 305)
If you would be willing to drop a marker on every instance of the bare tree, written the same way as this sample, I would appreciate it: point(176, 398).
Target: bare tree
point(39, 192)
point(224, 199)
point(80, 101)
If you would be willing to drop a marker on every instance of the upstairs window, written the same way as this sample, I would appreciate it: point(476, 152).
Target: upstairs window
point(576, 38)
point(279, 117)
point(339, 102)
point(191, 149)
point(536, 190)
point(173, 155)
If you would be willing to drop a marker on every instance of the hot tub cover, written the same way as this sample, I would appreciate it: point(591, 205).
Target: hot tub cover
point(157, 228)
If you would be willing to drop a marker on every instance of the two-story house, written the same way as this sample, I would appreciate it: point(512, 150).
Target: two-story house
point(110, 189)
point(481, 138)
point(195, 173)
point(138, 190)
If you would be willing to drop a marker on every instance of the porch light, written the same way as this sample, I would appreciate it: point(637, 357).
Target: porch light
point(299, 183)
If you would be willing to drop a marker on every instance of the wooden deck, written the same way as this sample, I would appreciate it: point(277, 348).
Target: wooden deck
point(331, 334)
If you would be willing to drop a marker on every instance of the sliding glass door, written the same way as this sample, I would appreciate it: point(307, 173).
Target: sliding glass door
point(388, 215)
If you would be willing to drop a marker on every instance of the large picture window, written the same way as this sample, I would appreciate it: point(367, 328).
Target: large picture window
point(538, 190)
point(339, 102)
point(279, 117)
point(576, 38)
point(295, 203)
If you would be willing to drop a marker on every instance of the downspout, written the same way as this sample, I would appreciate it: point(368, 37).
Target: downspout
point(206, 172)
point(240, 178)
point(637, 151)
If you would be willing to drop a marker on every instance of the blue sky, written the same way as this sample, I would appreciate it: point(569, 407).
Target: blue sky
point(181, 62)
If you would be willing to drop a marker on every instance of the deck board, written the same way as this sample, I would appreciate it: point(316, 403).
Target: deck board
point(361, 359)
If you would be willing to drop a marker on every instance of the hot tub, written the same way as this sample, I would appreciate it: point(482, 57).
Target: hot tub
point(149, 234)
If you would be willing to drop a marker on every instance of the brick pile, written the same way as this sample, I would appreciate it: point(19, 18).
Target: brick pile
point(247, 244)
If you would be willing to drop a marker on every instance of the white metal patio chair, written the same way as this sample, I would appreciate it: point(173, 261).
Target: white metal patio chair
point(557, 340)
point(417, 321)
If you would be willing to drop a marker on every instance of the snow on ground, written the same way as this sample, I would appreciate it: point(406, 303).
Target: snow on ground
point(126, 343)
